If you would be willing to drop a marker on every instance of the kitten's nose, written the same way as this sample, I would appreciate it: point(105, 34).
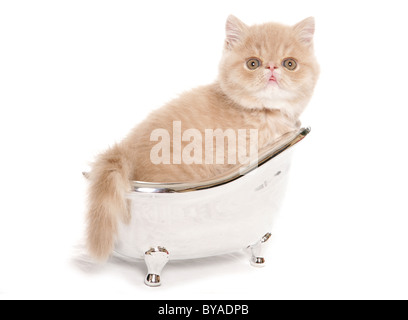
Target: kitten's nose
point(272, 67)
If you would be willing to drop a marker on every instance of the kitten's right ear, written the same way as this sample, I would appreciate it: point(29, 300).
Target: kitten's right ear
point(235, 30)
point(305, 30)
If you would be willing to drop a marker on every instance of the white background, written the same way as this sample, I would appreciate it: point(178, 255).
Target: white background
point(76, 76)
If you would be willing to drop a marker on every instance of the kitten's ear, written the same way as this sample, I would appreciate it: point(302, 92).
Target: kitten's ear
point(235, 30)
point(305, 30)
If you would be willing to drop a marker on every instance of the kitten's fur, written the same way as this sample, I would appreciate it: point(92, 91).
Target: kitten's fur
point(239, 99)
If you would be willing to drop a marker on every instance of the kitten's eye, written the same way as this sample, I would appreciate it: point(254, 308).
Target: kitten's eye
point(253, 64)
point(289, 64)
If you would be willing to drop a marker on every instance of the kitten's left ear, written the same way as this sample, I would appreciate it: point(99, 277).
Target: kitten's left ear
point(305, 30)
point(235, 31)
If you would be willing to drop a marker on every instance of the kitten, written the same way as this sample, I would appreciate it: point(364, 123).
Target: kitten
point(266, 78)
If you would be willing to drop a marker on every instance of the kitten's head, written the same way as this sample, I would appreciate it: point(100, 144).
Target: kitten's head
point(269, 66)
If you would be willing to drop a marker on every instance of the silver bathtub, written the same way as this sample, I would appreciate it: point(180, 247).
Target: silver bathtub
point(223, 215)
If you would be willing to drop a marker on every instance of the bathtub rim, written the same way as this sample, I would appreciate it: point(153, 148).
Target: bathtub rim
point(287, 141)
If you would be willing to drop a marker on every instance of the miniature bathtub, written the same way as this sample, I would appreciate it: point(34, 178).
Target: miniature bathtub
point(195, 220)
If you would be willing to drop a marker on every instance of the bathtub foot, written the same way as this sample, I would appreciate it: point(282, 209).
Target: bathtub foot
point(156, 258)
point(257, 251)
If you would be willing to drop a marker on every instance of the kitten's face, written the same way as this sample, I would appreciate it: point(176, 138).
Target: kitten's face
point(269, 66)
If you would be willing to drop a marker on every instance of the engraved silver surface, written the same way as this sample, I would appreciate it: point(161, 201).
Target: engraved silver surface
point(221, 215)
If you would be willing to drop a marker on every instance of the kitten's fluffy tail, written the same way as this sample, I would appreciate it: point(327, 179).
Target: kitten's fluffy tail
point(109, 181)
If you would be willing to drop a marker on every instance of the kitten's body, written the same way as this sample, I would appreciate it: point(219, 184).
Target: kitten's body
point(239, 99)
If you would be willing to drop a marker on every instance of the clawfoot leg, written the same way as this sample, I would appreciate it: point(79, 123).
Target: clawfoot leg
point(258, 250)
point(156, 258)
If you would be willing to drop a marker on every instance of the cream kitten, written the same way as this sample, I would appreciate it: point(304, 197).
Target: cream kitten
point(266, 78)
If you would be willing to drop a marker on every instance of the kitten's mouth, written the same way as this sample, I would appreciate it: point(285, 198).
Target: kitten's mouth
point(272, 79)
